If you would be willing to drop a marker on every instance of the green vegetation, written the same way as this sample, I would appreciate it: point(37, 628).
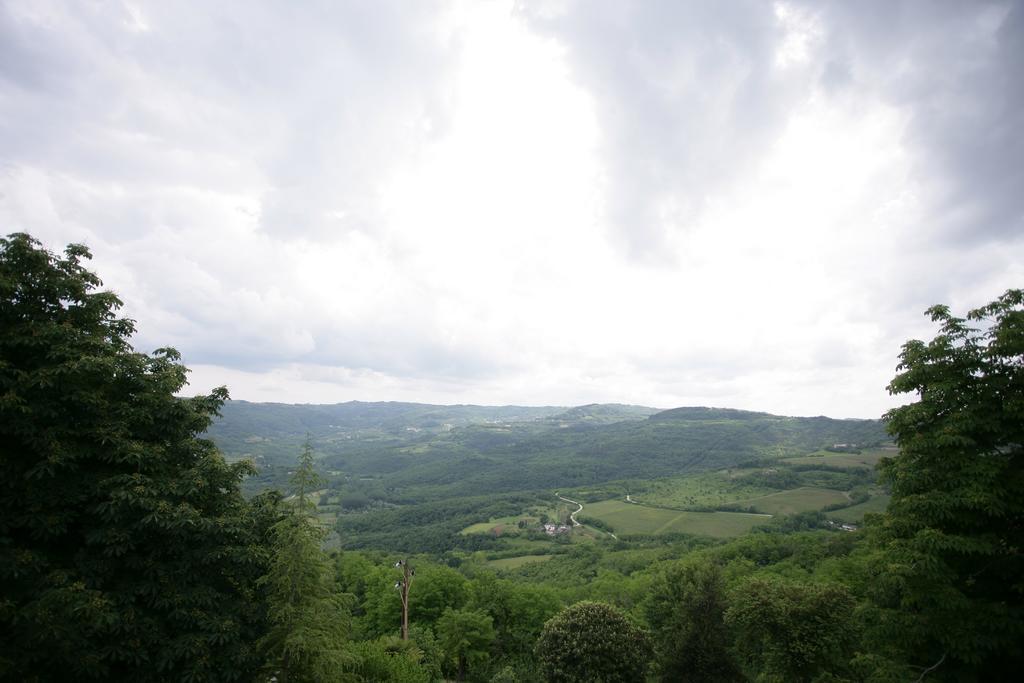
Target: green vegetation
point(408, 453)
point(855, 513)
point(686, 612)
point(592, 641)
point(631, 518)
point(951, 542)
point(517, 561)
point(308, 616)
point(128, 552)
point(707, 490)
point(867, 459)
point(792, 630)
point(793, 501)
point(466, 636)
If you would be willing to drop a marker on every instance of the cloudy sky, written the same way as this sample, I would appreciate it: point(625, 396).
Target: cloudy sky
point(737, 204)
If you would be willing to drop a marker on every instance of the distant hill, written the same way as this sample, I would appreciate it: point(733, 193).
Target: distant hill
point(242, 419)
point(605, 413)
point(410, 452)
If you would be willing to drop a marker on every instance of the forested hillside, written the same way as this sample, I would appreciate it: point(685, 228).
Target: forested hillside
point(413, 453)
point(772, 549)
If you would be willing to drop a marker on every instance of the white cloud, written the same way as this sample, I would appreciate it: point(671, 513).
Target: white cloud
point(468, 202)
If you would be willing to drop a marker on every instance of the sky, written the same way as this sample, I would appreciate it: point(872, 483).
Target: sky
point(740, 204)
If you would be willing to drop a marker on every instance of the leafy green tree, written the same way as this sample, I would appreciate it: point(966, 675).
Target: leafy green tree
point(686, 612)
point(309, 616)
point(435, 589)
point(432, 655)
point(518, 612)
point(788, 631)
point(382, 606)
point(466, 637)
point(591, 642)
point(127, 551)
point(950, 578)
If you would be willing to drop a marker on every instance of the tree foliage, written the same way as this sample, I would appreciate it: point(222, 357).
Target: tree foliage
point(591, 642)
point(390, 659)
point(126, 549)
point(309, 617)
point(518, 612)
point(951, 574)
point(686, 611)
point(466, 637)
point(792, 631)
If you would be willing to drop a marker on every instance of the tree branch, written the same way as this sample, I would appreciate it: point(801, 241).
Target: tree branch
point(931, 668)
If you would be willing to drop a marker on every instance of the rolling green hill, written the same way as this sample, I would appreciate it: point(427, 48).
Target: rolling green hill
point(407, 453)
point(412, 476)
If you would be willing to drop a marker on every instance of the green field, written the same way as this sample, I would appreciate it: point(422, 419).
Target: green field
point(510, 524)
point(866, 459)
point(630, 518)
point(793, 501)
point(712, 488)
point(497, 526)
point(855, 513)
point(516, 562)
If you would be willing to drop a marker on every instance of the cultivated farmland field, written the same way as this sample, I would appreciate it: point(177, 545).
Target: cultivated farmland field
point(708, 489)
point(866, 459)
point(855, 513)
point(794, 501)
point(497, 526)
point(630, 518)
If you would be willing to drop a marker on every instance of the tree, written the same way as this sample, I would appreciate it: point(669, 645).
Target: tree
point(518, 611)
point(466, 637)
point(591, 642)
point(391, 660)
point(950, 577)
point(309, 617)
point(789, 631)
point(127, 551)
point(437, 588)
point(686, 612)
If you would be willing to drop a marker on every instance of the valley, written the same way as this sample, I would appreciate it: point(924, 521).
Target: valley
point(474, 483)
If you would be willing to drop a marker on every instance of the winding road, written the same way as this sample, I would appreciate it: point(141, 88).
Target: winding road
point(572, 517)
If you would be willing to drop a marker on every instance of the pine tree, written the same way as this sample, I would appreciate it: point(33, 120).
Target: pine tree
point(309, 616)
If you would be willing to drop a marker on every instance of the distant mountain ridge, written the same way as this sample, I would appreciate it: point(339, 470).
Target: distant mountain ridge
point(300, 418)
point(424, 451)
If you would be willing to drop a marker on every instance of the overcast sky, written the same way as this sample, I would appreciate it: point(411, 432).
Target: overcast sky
point(736, 204)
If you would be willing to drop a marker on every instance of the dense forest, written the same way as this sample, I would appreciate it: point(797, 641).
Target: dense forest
point(150, 537)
